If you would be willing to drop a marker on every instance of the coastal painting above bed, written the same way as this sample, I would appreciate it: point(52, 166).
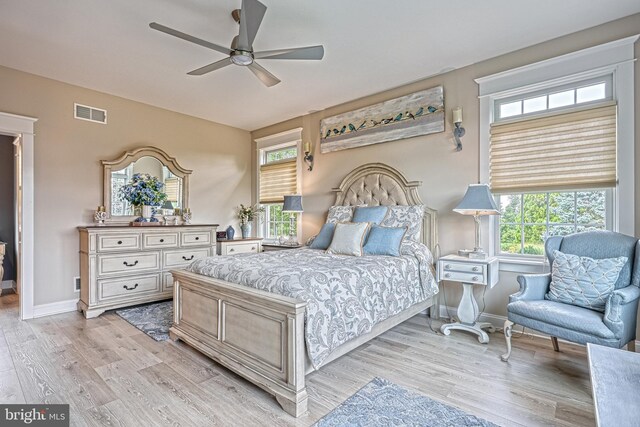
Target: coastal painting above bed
point(419, 113)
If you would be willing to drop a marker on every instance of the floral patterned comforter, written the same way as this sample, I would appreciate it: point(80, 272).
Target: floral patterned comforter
point(346, 295)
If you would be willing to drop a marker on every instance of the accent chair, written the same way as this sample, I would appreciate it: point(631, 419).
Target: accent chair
point(615, 327)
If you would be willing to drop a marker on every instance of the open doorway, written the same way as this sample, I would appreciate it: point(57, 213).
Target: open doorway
point(8, 222)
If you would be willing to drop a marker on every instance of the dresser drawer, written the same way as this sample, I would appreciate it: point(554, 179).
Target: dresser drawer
point(115, 242)
point(461, 267)
point(123, 287)
point(240, 248)
point(195, 238)
point(183, 257)
point(160, 240)
point(167, 282)
point(128, 263)
point(457, 276)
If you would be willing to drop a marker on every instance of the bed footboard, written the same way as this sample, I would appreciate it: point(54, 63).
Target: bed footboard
point(256, 334)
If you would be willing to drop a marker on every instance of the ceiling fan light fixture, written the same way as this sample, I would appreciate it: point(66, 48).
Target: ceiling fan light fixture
point(241, 57)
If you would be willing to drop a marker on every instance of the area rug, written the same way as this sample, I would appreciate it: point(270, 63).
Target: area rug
point(383, 403)
point(152, 319)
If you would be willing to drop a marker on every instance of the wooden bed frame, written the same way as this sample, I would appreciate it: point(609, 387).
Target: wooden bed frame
point(260, 335)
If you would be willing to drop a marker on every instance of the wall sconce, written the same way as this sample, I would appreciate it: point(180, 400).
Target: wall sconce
point(458, 131)
point(308, 157)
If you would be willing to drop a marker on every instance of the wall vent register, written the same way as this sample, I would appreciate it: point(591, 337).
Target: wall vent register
point(92, 114)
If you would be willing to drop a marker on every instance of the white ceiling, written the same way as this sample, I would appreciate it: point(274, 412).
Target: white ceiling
point(370, 46)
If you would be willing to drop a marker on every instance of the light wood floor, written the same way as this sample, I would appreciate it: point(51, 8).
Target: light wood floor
point(112, 374)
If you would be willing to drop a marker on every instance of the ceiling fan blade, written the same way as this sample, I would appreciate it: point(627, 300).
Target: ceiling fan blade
point(251, 16)
point(265, 77)
point(189, 38)
point(309, 52)
point(211, 67)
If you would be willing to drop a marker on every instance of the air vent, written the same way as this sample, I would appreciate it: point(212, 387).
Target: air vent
point(84, 112)
point(76, 284)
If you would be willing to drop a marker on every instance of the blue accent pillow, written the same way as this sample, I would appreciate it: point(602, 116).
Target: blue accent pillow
point(384, 240)
point(324, 237)
point(374, 214)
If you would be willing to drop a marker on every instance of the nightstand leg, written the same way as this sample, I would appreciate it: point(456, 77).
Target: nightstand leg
point(468, 313)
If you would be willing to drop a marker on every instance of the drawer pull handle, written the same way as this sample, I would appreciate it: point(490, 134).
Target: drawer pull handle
point(253, 248)
point(119, 242)
point(447, 275)
point(474, 278)
point(130, 265)
point(187, 259)
point(475, 269)
point(161, 240)
point(447, 267)
point(197, 238)
point(232, 250)
point(132, 288)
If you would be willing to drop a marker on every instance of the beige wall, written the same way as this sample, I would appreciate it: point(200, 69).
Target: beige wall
point(68, 174)
point(432, 159)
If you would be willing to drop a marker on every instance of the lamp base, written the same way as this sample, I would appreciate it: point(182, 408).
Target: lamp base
point(473, 253)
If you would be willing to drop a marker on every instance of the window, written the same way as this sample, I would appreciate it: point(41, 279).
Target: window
point(278, 175)
point(556, 146)
point(527, 219)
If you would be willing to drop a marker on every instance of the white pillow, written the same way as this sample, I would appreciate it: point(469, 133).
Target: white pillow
point(341, 213)
point(406, 216)
point(348, 239)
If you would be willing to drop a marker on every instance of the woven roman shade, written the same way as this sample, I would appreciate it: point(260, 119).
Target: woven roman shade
point(172, 189)
point(561, 152)
point(278, 179)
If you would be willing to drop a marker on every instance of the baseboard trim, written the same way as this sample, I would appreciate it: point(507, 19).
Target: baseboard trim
point(8, 284)
point(59, 307)
point(498, 323)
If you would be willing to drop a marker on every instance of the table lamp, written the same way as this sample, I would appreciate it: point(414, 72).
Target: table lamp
point(292, 205)
point(477, 201)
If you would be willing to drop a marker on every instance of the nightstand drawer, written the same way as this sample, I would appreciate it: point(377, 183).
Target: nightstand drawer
point(461, 267)
point(242, 248)
point(457, 276)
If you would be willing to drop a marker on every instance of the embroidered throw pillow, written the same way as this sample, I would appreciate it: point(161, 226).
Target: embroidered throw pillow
point(583, 281)
point(340, 214)
point(374, 214)
point(324, 237)
point(348, 239)
point(406, 216)
point(384, 240)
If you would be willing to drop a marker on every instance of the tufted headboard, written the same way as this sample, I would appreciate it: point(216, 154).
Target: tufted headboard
point(377, 184)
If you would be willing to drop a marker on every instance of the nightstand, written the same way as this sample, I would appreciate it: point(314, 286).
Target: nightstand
point(239, 246)
point(469, 272)
point(278, 247)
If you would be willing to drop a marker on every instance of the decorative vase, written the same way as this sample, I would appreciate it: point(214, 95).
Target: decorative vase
point(230, 233)
point(100, 216)
point(246, 230)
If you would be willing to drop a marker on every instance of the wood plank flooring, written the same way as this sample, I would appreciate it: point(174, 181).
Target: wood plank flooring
point(112, 374)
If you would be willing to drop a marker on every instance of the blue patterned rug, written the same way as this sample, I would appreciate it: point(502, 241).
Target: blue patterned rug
point(152, 319)
point(383, 403)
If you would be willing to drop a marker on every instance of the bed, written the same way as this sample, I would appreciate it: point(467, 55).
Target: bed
point(212, 314)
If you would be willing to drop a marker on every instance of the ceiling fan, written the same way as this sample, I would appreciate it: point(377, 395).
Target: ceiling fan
point(241, 51)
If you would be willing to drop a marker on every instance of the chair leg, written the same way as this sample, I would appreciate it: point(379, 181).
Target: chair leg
point(554, 341)
point(508, 325)
point(631, 346)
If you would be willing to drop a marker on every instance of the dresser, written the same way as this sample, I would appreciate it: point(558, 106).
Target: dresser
point(123, 265)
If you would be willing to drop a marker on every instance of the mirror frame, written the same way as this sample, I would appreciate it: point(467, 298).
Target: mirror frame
point(129, 157)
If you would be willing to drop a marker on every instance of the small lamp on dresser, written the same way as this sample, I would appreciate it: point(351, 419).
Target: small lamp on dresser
point(292, 205)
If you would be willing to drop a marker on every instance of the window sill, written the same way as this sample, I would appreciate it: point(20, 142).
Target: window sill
point(520, 265)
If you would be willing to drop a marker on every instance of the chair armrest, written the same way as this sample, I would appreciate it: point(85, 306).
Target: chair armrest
point(621, 310)
point(532, 287)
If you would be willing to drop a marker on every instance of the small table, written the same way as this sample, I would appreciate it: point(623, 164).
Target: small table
point(469, 272)
point(278, 247)
point(615, 384)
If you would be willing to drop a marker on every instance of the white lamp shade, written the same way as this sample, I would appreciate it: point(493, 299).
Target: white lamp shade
point(292, 203)
point(477, 201)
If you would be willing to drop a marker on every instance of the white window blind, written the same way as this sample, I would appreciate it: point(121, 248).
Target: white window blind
point(278, 179)
point(561, 152)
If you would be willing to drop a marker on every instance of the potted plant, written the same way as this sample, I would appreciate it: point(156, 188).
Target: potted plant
point(144, 191)
point(246, 215)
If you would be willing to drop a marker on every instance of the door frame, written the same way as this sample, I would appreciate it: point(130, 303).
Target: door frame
point(22, 127)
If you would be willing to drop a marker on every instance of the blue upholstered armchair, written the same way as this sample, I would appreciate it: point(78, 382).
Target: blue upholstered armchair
point(614, 328)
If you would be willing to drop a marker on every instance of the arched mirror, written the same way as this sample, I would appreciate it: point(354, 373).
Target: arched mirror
point(144, 160)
